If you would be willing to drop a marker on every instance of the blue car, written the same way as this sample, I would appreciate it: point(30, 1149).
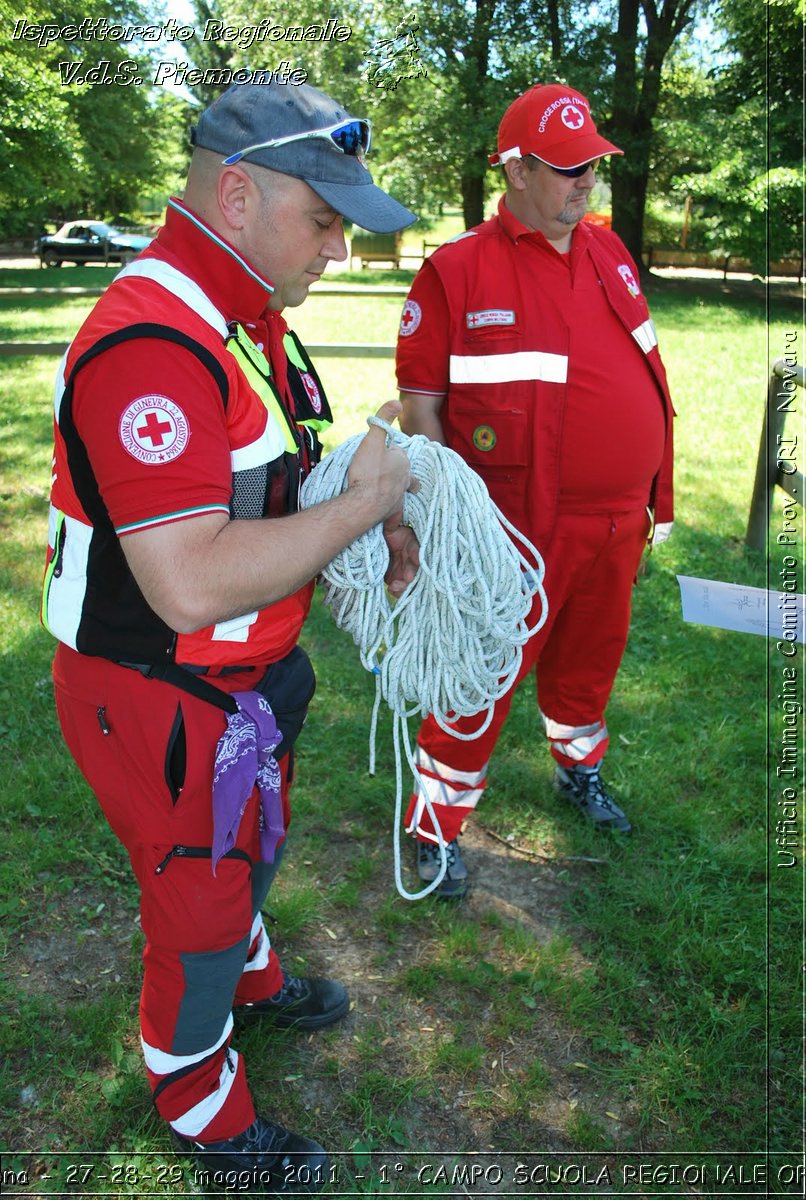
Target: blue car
point(89, 241)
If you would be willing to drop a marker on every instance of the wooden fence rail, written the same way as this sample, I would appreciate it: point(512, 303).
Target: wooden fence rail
point(777, 454)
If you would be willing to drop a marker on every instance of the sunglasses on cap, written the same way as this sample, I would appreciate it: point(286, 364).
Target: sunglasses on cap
point(351, 137)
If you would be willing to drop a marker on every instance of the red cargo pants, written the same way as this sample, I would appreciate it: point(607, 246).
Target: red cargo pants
point(147, 750)
point(591, 564)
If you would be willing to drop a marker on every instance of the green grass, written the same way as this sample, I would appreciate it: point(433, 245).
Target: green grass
point(657, 1006)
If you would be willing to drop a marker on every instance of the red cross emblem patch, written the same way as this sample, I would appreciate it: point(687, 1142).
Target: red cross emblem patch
point(411, 318)
point(154, 430)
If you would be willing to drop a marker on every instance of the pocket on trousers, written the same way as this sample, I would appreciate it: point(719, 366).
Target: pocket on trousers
point(176, 756)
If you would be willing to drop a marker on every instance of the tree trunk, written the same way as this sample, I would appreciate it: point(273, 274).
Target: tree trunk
point(635, 103)
point(472, 200)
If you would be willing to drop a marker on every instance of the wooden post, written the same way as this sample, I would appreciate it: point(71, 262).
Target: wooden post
point(768, 465)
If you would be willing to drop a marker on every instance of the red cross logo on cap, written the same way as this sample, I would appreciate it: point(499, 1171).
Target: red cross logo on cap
point(572, 117)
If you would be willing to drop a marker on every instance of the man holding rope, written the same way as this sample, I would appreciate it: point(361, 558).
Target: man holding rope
point(526, 346)
point(180, 572)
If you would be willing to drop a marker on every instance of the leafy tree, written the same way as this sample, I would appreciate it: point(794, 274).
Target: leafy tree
point(750, 194)
point(70, 149)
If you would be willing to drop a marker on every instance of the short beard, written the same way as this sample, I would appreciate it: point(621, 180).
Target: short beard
point(572, 216)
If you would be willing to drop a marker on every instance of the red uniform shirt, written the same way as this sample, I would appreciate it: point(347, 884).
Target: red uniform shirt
point(612, 430)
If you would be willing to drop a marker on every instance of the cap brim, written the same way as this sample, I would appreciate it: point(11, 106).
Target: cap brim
point(576, 151)
point(366, 205)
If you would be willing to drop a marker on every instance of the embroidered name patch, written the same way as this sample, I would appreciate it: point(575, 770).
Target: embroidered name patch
point(411, 318)
point(484, 437)
point(154, 430)
point(490, 316)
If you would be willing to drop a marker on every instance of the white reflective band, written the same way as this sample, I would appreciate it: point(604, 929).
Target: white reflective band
point(58, 393)
point(645, 336)
point(269, 446)
point(63, 618)
point(260, 959)
point(162, 1063)
point(234, 630)
point(199, 1117)
point(179, 285)
point(425, 762)
point(508, 368)
point(575, 741)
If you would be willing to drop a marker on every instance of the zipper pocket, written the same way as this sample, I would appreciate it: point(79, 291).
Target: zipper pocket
point(197, 852)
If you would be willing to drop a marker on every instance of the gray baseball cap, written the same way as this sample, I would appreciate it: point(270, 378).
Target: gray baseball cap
point(248, 115)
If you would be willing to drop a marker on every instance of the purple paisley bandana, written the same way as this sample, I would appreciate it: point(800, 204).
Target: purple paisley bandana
point(245, 759)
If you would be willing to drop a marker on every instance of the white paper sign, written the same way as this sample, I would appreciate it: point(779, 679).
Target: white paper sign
point(777, 615)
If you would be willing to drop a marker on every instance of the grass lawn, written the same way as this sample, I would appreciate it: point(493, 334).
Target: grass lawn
point(638, 1002)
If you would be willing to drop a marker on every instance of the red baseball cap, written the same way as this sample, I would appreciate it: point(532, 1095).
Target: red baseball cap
point(554, 123)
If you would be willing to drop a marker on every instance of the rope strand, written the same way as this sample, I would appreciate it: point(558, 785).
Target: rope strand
point(452, 644)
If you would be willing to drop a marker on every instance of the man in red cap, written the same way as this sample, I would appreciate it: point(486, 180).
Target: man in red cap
point(526, 346)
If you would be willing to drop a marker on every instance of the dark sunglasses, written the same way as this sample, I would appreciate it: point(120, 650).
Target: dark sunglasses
point(349, 137)
point(575, 172)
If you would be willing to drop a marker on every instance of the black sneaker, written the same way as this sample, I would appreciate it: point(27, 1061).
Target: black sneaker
point(266, 1157)
point(429, 861)
point(584, 788)
point(301, 1003)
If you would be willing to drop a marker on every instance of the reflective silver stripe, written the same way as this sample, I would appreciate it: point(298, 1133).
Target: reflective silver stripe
point(575, 741)
point(260, 958)
point(645, 336)
point(64, 602)
point(234, 630)
point(180, 286)
point(508, 368)
point(270, 445)
point(426, 762)
point(191, 1123)
point(162, 1063)
point(58, 391)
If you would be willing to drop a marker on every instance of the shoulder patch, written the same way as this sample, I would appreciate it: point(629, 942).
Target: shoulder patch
point(627, 275)
point(154, 430)
point(411, 318)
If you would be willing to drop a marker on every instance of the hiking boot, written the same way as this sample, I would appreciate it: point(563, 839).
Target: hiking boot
point(301, 1003)
point(266, 1157)
point(584, 788)
point(429, 861)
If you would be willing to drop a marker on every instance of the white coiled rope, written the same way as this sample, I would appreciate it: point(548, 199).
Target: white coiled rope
point(452, 644)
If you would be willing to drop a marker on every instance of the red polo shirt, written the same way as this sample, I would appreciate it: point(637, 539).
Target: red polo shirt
point(613, 426)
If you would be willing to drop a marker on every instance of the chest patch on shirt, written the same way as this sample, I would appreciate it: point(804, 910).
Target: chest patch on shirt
point(484, 437)
point(154, 430)
point(411, 318)
point(490, 316)
point(626, 274)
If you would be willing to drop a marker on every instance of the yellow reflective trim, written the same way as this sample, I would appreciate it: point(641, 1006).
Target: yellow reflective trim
point(58, 545)
point(292, 352)
point(258, 372)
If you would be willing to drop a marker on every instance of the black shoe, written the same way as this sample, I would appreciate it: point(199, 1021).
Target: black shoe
point(269, 1159)
point(584, 788)
point(429, 861)
point(301, 1003)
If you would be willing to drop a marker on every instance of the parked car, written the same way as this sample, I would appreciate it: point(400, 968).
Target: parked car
point(89, 241)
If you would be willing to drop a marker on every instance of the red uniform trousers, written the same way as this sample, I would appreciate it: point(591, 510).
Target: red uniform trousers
point(206, 947)
point(591, 564)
